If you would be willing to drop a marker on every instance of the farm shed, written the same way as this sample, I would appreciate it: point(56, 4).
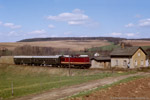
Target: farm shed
point(7, 59)
point(129, 57)
point(100, 62)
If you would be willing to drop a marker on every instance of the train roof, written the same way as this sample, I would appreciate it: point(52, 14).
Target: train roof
point(75, 56)
point(83, 56)
point(36, 56)
point(46, 56)
point(22, 56)
point(56, 56)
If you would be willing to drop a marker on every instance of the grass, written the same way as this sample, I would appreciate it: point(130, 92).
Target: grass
point(85, 93)
point(28, 79)
point(111, 47)
point(107, 47)
point(145, 47)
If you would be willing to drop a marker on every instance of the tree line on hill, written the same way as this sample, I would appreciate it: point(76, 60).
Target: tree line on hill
point(28, 50)
point(110, 39)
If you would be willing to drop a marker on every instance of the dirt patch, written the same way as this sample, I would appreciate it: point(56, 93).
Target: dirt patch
point(135, 90)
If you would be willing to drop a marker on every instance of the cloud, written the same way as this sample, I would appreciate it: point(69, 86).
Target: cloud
point(0, 23)
point(116, 34)
point(76, 22)
point(13, 33)
point(83, 36)
point(38, 32)
point(78, 11)
point(51, 26)
point(76, 17)
point(130, 34)
point(140, 23)
point(11, 25)
point(54, 35)
point(129, 25)
point(68, 33)
point(144, 23)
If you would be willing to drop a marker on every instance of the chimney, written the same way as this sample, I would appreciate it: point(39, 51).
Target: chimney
point(122, 45)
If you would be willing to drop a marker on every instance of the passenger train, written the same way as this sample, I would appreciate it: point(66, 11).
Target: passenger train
point(78, 61)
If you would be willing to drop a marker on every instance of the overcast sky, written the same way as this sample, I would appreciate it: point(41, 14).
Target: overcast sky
point(21, 19)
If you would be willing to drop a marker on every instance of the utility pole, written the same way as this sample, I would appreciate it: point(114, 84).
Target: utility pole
point(69, 67)
point(12, 89)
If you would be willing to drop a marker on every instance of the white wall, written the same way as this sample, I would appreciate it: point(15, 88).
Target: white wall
point(121, 62)
point(96, 64)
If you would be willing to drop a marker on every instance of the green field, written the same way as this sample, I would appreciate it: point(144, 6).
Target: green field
point(107, 47)
point(111, 47)
point(29, 79)
point(145, 47)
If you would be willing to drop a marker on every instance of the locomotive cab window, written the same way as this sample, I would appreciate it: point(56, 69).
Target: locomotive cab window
point(63, 59)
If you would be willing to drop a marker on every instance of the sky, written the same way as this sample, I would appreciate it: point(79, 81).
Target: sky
point(22, 19)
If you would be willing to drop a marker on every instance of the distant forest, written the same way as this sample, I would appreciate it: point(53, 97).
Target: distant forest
point(110, 39)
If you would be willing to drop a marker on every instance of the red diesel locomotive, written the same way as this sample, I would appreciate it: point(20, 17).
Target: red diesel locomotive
point(81, 61)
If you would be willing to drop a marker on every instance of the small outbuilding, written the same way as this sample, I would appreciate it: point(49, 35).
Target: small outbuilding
point(100, 62)
point(96, 54)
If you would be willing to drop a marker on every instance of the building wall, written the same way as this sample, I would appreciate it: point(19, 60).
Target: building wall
point(98, 64)
point(139, 59)
point(120, 62)
point(7, 59)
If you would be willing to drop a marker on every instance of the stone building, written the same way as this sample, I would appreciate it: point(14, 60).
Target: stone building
point(129, 57)
point(100, 62)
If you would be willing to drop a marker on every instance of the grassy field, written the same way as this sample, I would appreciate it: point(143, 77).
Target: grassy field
point(107, 47)
point(75, 45)
point(144, 45)
point(71, 44)
point(29, 79)
point(138, 42)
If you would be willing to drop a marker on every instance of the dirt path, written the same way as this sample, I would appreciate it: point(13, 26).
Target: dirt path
point(68, 91)
point(138, 89)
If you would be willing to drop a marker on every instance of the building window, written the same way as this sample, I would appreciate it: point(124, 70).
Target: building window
point(135, 63)
point(124, 63)
point(116, 62)
point(142, 63)
point(139, 54)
